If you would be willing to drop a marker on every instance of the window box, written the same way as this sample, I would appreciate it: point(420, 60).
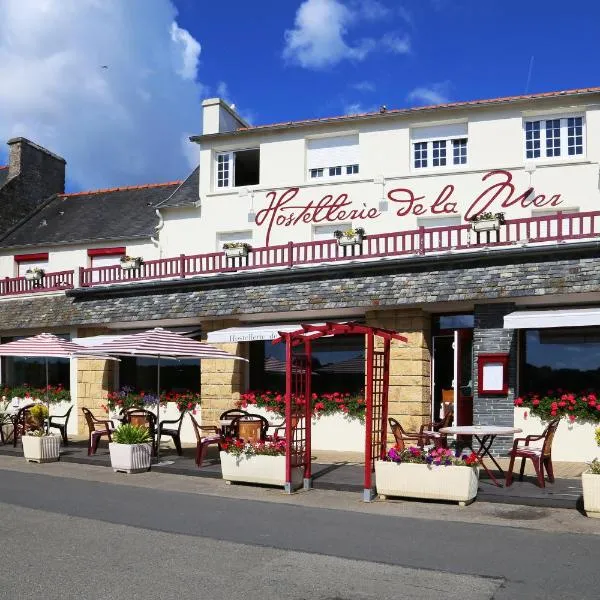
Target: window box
point(34, 274)
point(350, 237)
point(131, 262)
point(130, 458)
point(487, 222)
point(236, 249)
point(265, 470)
point(41, 449)
point(429, 482)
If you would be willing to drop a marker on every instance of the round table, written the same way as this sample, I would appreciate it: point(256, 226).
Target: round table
point(485, 435)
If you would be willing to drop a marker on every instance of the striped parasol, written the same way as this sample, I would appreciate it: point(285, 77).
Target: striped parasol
point(160, 343)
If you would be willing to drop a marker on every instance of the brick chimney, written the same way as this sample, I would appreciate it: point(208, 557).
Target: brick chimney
point(34, 174)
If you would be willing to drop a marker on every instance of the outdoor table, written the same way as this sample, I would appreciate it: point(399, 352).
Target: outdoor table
point(485, 435)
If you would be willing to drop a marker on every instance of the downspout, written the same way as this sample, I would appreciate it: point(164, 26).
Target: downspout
point(156, 240)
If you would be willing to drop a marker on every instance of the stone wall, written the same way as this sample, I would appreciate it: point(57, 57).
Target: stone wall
point(95, 378)
point(490, 336)
point(410, 365)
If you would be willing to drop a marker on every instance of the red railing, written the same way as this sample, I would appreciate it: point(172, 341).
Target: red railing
point(532, 230)
point(49, 282)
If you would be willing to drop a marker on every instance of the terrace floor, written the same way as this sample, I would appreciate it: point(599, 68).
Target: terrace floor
point(344, 471)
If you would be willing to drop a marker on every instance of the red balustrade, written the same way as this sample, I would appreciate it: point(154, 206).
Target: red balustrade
point(532, 230)
point(49, 282)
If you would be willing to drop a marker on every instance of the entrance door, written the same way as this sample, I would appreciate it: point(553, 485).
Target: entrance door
point(451, 387)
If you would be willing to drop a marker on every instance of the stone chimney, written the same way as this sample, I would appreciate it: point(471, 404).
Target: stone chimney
point(218, 117)
point(34, 174)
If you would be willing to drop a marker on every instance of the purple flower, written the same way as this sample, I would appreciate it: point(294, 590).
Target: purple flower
point(428, 460)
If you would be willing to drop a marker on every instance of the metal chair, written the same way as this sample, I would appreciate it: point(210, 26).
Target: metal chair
point(204, 441)
point(62, 427)
point(541, 457)
point(95, 433)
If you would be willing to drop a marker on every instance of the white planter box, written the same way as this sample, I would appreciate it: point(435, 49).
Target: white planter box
point(236, 252)
point(350, 241)
point(486, 225)
point(41, 449)
point(429, 482)
point(34, 275)
point(591, 494)
point(128, 265)
point(130, 458)
point(267, 470)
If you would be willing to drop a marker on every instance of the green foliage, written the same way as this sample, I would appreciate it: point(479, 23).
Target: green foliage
point(38, 413)
point(131, 434)
point(598, 436)
point(595, 467)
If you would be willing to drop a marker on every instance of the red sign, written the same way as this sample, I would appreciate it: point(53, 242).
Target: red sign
point(284, 210)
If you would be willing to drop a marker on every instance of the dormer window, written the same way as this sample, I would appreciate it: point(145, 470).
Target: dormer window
point(238, 168)
point(332, 156)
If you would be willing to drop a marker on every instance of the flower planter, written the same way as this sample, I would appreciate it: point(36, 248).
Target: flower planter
point(409, 480)
point(236, 252)
point(128, 265)
point(130, 458)
point(267, 470)
point(591, 494)
point(486, 225)
point(354, 240)
point(41, 449)
point(33, 275)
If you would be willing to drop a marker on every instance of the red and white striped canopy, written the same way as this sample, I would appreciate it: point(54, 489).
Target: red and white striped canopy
point(159, 342)
point(42, 345)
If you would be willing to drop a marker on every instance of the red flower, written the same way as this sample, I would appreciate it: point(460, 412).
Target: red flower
point(536, 402)
point(572, 418)
point(519, 402)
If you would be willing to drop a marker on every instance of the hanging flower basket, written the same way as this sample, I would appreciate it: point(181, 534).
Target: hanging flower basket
point(487, 222)
point(350, 237)
point(131, 262)
point(236, 249)
point(34, 274)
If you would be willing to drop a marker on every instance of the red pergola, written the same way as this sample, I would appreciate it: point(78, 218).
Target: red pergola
point(298, 377)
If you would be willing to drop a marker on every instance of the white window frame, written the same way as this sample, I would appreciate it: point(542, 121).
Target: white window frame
point(245, 236)
point(564, 137)
point(449, 153)
point(230, 154)
point(328, 229)
point(344, 169)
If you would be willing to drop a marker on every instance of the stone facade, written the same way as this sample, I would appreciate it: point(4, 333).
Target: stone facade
point(490, 336)
point(95, 378)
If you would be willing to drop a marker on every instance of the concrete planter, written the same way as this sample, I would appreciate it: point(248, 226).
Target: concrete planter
point(130, 458)
point(41, 449)
point(236, 252)
point(591, 494)
point(486, 225)
point(409, 480)
point(267, 470)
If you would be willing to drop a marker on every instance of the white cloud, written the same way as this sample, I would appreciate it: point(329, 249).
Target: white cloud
point(436, 93)
point(116, 126)
point(372, 9)
point(392, 42)
point(363, 86)
point(356, 108)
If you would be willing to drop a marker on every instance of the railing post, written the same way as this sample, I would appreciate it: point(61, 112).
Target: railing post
point(422, 239)
point(82, 282)
point(290, 260)
point(559, 220)
point(182, 266)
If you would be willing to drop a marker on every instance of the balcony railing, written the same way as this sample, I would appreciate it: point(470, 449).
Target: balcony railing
point(532, 230)
point(49, 282)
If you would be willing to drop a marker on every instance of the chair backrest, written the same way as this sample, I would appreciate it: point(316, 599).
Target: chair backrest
point(68, 414)
point(549, 437)
point(448, 419)
point(196, 426)
point(232, 413)
point(239, 421)
point(141, 417)
point(23, 417)
point(448, 396)
point(397, 431)
point(180, 421)
point(89, 418)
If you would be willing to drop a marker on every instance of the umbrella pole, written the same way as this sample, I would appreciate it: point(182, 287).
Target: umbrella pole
point(158, 410)
point(47, 400)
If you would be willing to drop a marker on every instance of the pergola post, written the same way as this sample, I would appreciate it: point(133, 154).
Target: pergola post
point(368, 485)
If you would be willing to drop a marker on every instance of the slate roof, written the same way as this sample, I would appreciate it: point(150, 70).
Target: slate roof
point(187, 194)
point(3, 175)
point(401, 111)
point(110, 214)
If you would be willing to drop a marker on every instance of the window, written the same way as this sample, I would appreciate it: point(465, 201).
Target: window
point(438, 221)
point(332, 156)
point(325, 232)
point(439, 146)
point(24, 262)
point(244, 237)
point(179, 375)
point(239, 168)
point(553, 138)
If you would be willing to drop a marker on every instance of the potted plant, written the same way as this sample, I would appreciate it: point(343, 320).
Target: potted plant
point(436, 474)
point(591, 486)
point(34, 274)
point(236, 249)
point(130, 449)
point(256, 462)
point(131, 262)
point(487, 221)
point(349, 237)
point(39, 446)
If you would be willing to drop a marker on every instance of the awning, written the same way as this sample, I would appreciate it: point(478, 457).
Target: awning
point(249, 334)
point(541, 319)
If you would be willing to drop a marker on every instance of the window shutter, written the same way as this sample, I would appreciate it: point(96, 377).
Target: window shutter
point(332, 152)
point(439, 132)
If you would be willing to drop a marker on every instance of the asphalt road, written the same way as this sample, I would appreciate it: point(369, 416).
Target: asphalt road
point(71, 538)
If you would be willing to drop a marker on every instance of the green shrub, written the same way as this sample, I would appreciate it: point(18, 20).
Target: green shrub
point(131, 434)
point(38, 414)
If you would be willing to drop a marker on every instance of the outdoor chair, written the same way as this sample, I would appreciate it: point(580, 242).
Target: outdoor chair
point(173, 432)
point(140, 417)
point(276, 431)
point(437, 425)
point(238, 423)
point(203, 441)
point(60, 425)
point(230, 415)
point(420, 438)
point(96, 429)
point(541, 457)
point(21, 422)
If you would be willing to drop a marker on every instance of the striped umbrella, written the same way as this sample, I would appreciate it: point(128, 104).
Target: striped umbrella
point(160, 343)
point(44, 345)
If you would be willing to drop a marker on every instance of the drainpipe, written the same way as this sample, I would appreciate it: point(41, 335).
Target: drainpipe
point(155, 240)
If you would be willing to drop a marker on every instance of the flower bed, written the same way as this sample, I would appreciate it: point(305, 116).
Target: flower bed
point(54, 393)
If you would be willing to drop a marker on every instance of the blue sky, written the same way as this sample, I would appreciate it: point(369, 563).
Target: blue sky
point(277, 61)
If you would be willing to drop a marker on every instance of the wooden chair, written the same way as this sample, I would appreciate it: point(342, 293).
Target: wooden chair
point(21, 422)
point(204, 441)
point(96, 429)
point(419, 438)
point(173, 432)
point(230, 415)
point(541, 457)
point(61, 426)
